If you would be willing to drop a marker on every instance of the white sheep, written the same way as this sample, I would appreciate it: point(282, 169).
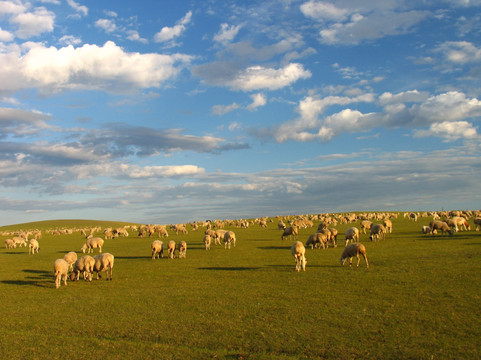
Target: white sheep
point(157, 247)
point(171, 249)
point(440, 225)
point(104, 262)
point(207, 242)
point(378, 231)
point(352, 234)
point(33, 246)
point(70, 258)
point(388, 225)
point(317, 240)
point(365, 225)
point(352, 250)
point(92, 244)
point(84, 265)
point(229, 237)
point(460, 223)
point(182, 247)
point(290, 231)
point(60, 270)
point(20, 241)
point(299, 252)
point(426, 229)
point(219, 234)
point(9, 244)
point(334, 233)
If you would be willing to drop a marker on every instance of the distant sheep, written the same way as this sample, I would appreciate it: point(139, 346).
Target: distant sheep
point(229, 237)
point(60, 270)
point(378, 231)
point(388, 225)
point(84, 265)
point(290, 231)
point(171, 249)
point(352, 250)
point(334, 233)
point(92, 244)
point(157, 247)
point(20, 241)
point(477, 223)
point(104, 262)
point(207, 242)
point(10, 244)
point(70, 258)
point(299, 252)
point(33, 246)
point(317, 240)
point(365, 225)
point(352, 234)
point(182, 247)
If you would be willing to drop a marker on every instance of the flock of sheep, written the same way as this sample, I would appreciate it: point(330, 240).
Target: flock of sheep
point(377, 224)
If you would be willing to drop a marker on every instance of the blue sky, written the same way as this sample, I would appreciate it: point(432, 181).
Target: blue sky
point(166, 112)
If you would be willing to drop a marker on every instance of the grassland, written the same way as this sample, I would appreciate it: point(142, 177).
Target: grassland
point(420, 299)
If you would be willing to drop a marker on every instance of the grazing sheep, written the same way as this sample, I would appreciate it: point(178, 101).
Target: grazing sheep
point(388, 225)
point(92, 244)
point(20, 241)
point(334, 233)
point(70, 258)
point(207, 241)
point(352, 250)
point(317, 240)
point(440, 225)
point(460, 223)
point(9, 244)
point(33, 246)
point(426, 229)
point(299, 252)
point(229, 237)
point(182, 247)
point(171, 249)
point(84, 265)
point(365, 225)
point(477, 223)
point(60, 270)
point(104, 262)
point(290, 231)
point(157, 249)
point(378, 231)
point(219, 234)
point(352, 234)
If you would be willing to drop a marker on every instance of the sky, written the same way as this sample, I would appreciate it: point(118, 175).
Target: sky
point(174, 111)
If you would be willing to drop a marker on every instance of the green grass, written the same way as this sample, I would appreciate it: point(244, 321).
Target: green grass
point(420, 299)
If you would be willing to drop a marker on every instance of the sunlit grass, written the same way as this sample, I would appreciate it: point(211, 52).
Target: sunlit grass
point(419, 299)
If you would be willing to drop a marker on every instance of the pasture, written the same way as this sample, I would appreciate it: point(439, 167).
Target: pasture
point(420, 299)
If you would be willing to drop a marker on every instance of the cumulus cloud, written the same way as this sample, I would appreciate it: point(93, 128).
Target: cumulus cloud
point(106, 24)
point(460, 52)
point(34, 23)
point(170, 33)
point(449, 130)
point(107, 68)
point(81, 9)
point(403, 97)
point(224, 109)
point(320, 10)
point(6, 36)
point(226, 33)
point(258, 100)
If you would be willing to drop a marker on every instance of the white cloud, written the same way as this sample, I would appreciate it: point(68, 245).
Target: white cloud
point(106, 24)
point(258, 100)
point(12, 8)
point(320, 10)
point(134, 36)
point(170, 33)
point(258, 77)
point(6, 36)
point(138, 172)
point(107, 68)
point(460, 52)
point(224, 109)
point(449, 130)
point(82, 9)
point(403, 97)
point(226, 33)
point(33, 23)
point(70, 40)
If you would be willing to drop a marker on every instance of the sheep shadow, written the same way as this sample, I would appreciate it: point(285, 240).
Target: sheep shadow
point(274, 247)
point(39, 280)
point(133, 257)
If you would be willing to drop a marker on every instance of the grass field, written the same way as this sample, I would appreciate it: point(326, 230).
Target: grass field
point(420, 299)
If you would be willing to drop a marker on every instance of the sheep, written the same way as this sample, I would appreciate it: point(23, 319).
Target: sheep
point(182, 247)
point(207, 241)
point(440, 225)
point(33, 246)
point(352, 234)
point(60, 270)
point(84, 265)
point(299, 252)
point(20, 241)
point(9, 244)
point(70, 258)
point(477, 223)
point(171, 249)
point(378, 231)
point(317, 240)
point(352, 250)
point(219, 234)
point(92, 244)
point(460, 223)
point(104, 262)
point(365, 225)
point(157, 247)
point(334, 233)
point(290, 231)
point(388, 225)
point(426, 229)
point(229, 237)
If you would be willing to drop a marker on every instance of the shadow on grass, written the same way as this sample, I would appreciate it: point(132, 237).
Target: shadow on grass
point(274, 247)
point(14, 253)
point(233, 268)
point(39, 280)
point(133, 257)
